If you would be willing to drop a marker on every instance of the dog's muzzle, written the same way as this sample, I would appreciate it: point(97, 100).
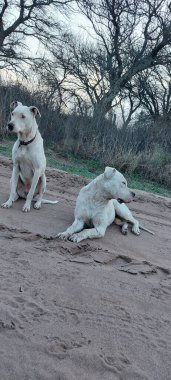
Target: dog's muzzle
point(10, 126)
point(122, 201)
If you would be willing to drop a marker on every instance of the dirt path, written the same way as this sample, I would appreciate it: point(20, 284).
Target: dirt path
point(97, 310)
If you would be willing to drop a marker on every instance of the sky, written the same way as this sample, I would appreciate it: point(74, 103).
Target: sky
point(74, 21)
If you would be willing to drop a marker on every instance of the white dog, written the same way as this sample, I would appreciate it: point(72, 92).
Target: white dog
point(29, 162)
point(97, 206)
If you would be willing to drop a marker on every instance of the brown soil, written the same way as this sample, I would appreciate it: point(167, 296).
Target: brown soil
point(97, 310)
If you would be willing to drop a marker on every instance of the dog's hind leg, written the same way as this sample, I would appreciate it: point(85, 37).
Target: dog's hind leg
point(123, 212)
point(42, 189)
point(123, 224)
point(76, 226)
point(36, 176)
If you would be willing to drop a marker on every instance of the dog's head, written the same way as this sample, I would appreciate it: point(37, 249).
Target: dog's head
point(115, 185)
point(22, 118)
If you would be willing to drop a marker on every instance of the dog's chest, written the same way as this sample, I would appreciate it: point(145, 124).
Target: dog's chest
point(22, 156)
point(100, 213)
point(23, 159)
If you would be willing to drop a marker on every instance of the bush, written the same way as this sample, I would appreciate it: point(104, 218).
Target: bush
point(143, 148)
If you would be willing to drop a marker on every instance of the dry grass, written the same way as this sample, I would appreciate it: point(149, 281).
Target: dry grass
point(143, 149)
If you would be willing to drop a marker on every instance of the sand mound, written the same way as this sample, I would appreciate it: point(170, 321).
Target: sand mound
point(97, 310)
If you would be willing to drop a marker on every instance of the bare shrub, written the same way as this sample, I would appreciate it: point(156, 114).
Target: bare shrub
point(143, 148)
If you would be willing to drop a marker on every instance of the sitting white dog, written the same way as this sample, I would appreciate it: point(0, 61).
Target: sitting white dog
point(29, 161)
point(97, 207)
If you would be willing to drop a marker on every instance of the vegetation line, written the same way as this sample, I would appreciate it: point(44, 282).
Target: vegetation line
point(88, 169)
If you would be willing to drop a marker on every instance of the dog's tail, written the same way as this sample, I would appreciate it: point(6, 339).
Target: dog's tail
point(146, 229)
point(49, 202)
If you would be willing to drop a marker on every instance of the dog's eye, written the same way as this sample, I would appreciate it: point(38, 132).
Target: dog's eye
point(124, 183)
point(22, 116)
point(12, 114)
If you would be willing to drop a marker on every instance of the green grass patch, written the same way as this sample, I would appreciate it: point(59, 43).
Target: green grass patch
point(67, 162)
point(6, 150)
point(88, 169)
point(151, 187)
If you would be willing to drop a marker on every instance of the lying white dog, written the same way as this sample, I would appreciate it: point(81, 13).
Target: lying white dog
point(29, 161)
point(97, 206)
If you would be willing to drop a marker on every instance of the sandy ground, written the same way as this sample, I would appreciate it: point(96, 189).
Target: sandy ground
point(97, 310)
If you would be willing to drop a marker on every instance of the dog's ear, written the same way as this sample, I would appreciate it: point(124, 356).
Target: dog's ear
point(34, 110)
point(108, 173)
point(14, 105)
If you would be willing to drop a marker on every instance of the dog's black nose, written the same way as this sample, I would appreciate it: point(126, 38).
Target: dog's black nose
point(10, 126)
point(133, 194)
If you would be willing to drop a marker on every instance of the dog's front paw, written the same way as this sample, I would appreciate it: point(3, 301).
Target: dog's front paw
point(7, 204)
point(124, 230)
point(136, 230)
point(26, 207)
point(76, 238)
point(37, 205)
point(63, 236)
